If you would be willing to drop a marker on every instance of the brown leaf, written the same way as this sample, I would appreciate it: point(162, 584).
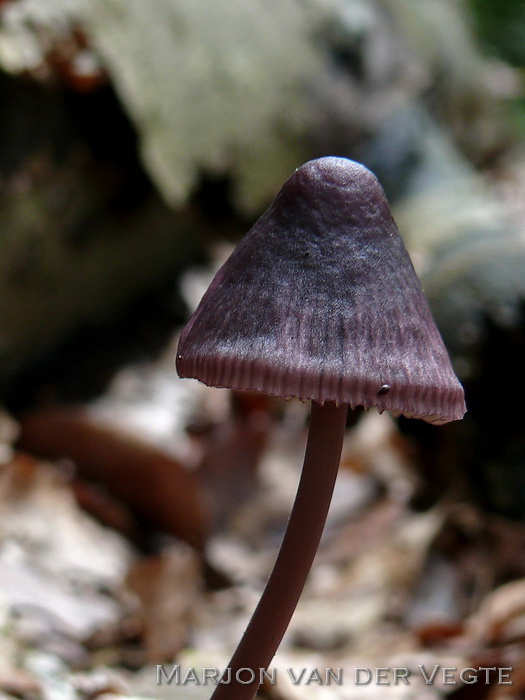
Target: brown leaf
point(155, 485)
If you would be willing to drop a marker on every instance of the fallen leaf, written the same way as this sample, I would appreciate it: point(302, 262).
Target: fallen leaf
point(154, 484)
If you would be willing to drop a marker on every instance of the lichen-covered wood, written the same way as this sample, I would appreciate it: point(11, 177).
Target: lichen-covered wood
point(212, 86)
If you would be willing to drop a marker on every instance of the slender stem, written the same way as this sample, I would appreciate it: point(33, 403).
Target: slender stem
point(301, 539)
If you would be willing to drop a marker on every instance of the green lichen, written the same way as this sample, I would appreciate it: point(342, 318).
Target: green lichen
point(215, 87)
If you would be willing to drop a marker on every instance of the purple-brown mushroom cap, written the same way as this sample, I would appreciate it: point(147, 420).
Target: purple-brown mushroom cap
point(320, 301)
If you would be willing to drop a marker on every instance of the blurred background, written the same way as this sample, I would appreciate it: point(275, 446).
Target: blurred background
point(140, 513)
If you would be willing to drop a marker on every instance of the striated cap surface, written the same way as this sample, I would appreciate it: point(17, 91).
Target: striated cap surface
point(320, 301)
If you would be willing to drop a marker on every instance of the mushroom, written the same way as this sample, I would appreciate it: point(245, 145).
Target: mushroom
point(319, 301)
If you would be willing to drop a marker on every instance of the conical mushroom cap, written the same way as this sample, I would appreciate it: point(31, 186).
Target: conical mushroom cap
point(320, 301)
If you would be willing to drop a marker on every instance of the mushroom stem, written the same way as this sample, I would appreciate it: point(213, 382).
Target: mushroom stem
point(299, 546)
